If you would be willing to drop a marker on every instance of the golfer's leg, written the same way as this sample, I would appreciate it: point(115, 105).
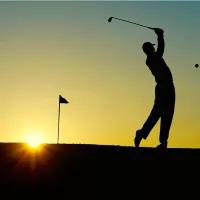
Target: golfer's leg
point(151, 120)
point(166, 121)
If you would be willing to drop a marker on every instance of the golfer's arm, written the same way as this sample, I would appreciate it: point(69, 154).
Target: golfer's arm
point(161, 45)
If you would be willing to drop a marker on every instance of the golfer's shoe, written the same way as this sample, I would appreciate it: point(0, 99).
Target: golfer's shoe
point(138, 138)
point(162, 146)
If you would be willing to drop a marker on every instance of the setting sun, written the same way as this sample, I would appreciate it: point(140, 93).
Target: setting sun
point(34, 140)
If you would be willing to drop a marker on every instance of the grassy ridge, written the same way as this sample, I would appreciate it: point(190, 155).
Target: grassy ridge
point(95, 171)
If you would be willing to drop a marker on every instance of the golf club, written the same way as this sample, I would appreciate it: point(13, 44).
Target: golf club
point(110, 19)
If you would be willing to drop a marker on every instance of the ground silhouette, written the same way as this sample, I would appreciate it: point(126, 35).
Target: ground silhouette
point(74, 171)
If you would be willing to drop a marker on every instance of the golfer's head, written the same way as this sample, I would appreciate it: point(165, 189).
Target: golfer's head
point(148, 48)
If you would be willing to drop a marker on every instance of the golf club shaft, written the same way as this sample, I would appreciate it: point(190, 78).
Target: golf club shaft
point(133, 23)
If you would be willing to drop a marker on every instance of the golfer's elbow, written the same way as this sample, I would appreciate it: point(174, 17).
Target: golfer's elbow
point(161, 45)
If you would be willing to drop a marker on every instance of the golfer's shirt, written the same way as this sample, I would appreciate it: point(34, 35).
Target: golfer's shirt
point(159, 69)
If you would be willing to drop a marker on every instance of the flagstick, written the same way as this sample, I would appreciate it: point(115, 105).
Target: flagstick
point(58, 121)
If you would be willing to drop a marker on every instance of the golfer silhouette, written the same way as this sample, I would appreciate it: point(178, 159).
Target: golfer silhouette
point(164, 102)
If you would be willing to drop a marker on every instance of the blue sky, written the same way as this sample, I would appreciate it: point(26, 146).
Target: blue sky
point(69, 48)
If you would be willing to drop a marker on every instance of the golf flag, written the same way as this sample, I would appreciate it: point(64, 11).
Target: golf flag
point(62, 100)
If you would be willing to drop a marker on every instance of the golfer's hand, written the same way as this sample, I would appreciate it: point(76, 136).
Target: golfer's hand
point(158, 31)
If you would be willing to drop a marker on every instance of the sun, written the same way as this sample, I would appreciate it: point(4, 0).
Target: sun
point(34, 140)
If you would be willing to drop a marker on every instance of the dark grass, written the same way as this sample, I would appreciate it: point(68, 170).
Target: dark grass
point(74, 171)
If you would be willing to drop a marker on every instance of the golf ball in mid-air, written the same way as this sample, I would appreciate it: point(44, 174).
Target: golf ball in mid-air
point(197, 65)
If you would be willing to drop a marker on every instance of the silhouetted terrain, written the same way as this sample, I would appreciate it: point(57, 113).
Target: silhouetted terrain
point(98, 172)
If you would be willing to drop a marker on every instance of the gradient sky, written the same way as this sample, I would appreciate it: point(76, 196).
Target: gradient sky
point(69, 48)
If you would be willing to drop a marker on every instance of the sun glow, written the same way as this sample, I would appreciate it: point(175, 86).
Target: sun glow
point(34, 140)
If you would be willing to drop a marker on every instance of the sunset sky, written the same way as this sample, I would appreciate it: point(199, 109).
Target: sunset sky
point(67, 48)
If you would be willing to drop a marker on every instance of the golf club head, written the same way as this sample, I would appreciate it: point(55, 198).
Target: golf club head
point(110, 19)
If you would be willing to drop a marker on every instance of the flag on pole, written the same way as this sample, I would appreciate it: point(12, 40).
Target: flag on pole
point(62, 100)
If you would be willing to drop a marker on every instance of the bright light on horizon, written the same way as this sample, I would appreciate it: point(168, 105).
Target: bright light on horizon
point(34, 140)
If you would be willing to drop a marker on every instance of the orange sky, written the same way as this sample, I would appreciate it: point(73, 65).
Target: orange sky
point(49, 49)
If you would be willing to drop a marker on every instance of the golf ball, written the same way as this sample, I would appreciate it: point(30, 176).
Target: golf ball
point(197, 65)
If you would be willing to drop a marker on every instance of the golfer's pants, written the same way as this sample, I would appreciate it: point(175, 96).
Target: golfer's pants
point(163, 108)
